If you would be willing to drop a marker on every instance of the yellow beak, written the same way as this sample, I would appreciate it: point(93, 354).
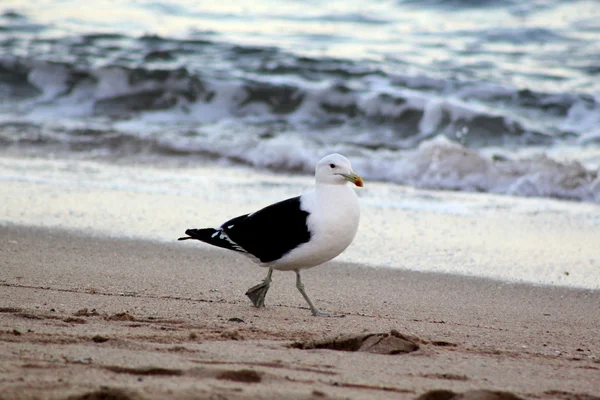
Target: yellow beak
point(357, 180)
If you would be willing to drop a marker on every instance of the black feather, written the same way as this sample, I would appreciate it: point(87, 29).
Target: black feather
point(213, 237)
point(267, 234)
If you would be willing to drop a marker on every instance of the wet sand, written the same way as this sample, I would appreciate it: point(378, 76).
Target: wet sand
point(87, 316)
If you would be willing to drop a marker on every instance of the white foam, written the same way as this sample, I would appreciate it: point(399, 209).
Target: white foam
point(436, 164)
point(432, 117)
point(112, 82)
point(50, 79)
point(582, 117)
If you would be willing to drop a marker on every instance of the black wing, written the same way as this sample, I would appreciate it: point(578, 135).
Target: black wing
point(267, 234)
point(271, 232)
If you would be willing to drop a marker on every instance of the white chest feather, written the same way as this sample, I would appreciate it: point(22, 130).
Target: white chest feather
point(333, 222)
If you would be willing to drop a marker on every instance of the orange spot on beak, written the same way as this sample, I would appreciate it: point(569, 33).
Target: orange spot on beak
point(358, 181)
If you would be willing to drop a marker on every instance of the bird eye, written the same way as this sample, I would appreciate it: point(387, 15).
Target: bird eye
point(331, 165)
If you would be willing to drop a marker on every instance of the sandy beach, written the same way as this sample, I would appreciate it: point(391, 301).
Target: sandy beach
point(474, 273)
point(85, 316)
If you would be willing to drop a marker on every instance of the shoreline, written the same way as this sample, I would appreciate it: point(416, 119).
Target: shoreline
point(511, 239)
point(181, 311)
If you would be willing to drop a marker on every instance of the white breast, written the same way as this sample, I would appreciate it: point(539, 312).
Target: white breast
point(333, 221)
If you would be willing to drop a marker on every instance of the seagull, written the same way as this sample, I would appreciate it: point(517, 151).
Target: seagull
point(298, 233)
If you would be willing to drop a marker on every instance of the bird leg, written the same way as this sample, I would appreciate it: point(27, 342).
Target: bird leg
point(257, 293)
point(315, 311)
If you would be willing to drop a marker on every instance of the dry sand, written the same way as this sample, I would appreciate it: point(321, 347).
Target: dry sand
point(92, 317)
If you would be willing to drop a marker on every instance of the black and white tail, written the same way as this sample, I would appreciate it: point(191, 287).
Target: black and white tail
point(215, 237)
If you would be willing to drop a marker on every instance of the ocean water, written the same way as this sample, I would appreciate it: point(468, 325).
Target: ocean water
point(466, 95)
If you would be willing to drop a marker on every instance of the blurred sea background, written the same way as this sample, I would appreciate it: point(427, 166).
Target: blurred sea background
point(493, 96)
point(141, 118)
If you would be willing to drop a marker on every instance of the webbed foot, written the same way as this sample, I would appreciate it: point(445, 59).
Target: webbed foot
point(257, 293)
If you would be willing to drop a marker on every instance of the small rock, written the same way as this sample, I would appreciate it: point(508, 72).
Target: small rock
point(99, 339)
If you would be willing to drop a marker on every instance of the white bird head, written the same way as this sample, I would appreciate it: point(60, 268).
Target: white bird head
point(336, 169)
